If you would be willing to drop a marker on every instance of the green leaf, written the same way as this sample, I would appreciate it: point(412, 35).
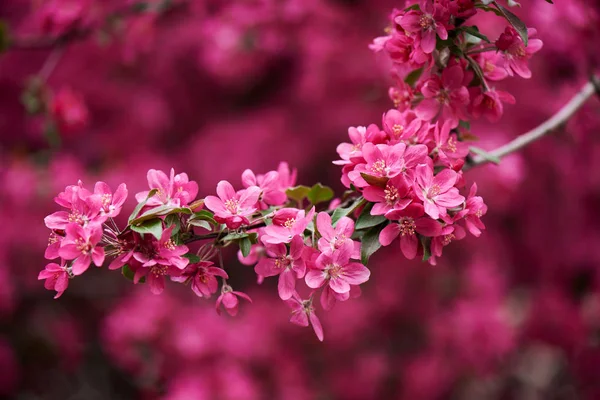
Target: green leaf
point(160, 211)
point(141, 205)
point(237, 236)
point(173, 219)
point(203, 219)
point(366, 220)
point(245, 246)
point(129, 274)
point(519, 25)
point(319, 193)
point(488, 9)
point(426, 243)
point(343, 212)
point(474, 31)
point(485, 155)
point(4, 37)
point(375, 180)
point(297, 193)
point(370, 242)
point(153, 227)
point(192, 257)
point(413, 76)
point(201, 224)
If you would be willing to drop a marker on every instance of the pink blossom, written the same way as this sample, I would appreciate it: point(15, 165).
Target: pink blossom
point(174, 190)
point(69, 111)
point(271, 192)
point(384, 161)
point(202, 276)
point(402, 94)
point(336, 271)
point(287, 223)
point(229, 299)
point(437, 193)
point(232, 208)
point(449, 149)
point(111, 203)
point(54, 242)
point(154, 274)
point(401, 125)
point(475, 208)
point(489, 103)
point(333, 238)
point(163, 251)
point(351, 153)
point(395, 196)
point(303, 313)
point(516, 54)
point(445, 96)
point(448, 234)
point(410, 221)
point(430, 19)
point(84, 209)
point(56, 276)
point(492, 65)
point(289, 267)
point(80, 245)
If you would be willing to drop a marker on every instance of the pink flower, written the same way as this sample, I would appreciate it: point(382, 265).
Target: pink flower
point(84, 209)
point(385, 161)
point(395, 196)
point(332, 239)
point(289, 267)
point(54, 242)
point(449, 149)
point(202, 275)
point(80, 245)
point(401, 125)
point(231, 207)
point(445, 97)
point(56, 276)
point(492, 65)
point(426, 22)
point(336, 271)
point(155, 275)
point(229, 299)
point(174, 190)
point(437, 193)
point(69, 111)
point(515, 53)
point(489, 103)
point(303, 313)
point(475, 208)
point(410, 221)
point(402, 95)
point(287, 223)
point(448, 234)
point(163, 251)
point(111, 203)
point(351, 153)
point(272, 194)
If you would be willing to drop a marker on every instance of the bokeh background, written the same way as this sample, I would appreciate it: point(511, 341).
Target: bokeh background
point(213, 87)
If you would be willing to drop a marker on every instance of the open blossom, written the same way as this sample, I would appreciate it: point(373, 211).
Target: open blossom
point(287, 223)
point(408, 223)
point(402, 95)
point(492, 65)
point(271, 192)
point(449, 233)
point(337, 271)
point(84, 209)
point(450, 151)
point(155, 275)
point(80, 245)
point(303, 313)
point(351, 153)
point(445, 97)
point(475, 208)
point(289, 267)
point(516, 54)
point(489, 103)
point(232, 208)
point(334, 238)
point(384, 161)
point(202, 276)
point(229, 300)
point(401, 125)
point(56, 276)
point(69, 111)
point(111, 203)
point(427, 21)
point(54, 242)
point(437, 192)
point(396, 195)
point(173, 190)
point(163, 252)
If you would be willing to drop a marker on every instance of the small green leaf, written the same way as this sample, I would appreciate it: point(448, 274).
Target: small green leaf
point(519, 25)
point(370, 242)
point(245, 246)
point(366, 220)
point(160, 211)
point(173, 219)
point(488, 9)
point(343, 212)
point(375, 180)
point(426, 243)
point(319, 193)
point(297, 193)
point(474, 31)
point(129, 274)
point(141, 205)
point(485, 155)
point(237, 236)
point(4, 37)
point(201, 224)
point(153, 227)
point(203, 219)
point(413, 76)
point(192, 257)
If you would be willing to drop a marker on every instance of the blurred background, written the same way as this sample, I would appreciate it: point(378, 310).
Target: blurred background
point(212, 87)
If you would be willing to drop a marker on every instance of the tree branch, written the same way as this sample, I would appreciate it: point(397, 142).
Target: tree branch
point(550, 125)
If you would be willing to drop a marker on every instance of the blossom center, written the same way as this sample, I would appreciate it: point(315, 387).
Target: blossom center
point(283, 262)
point(391, 195)
point(397, 129)
point(407, 226)
point(338, 241)
point(289, 223)
point(427, 22)
point(106, 200)
point(169, 245)
point(433, 191)
point(451, 145)
point(447, 239)
point(479, 213)
point(232, 205)
point(379, 167)
point(83, 246)
point(334, 271)
point(443, 97)
point(158, 270)
point(77, 217)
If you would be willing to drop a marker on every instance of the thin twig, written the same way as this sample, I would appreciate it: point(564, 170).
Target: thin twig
point(550, 125)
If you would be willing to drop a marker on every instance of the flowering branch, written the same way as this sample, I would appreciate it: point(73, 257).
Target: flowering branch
point(549, 126)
